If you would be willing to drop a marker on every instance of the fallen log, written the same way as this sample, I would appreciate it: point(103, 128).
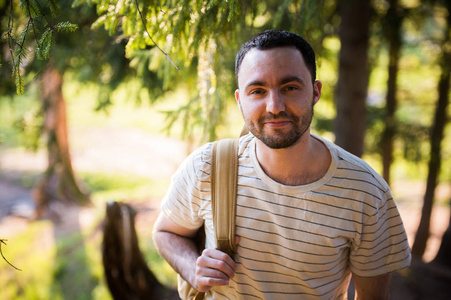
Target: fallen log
point(126, 270)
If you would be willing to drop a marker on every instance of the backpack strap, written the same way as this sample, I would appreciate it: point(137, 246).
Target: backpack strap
point(224, 177)
point(223, 193)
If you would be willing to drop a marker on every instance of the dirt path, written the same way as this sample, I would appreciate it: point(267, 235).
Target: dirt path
point(109, 150)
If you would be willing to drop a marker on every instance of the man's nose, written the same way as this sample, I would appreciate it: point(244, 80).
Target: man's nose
point(275, 103)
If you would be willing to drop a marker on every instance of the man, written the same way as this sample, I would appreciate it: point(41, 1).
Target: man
point(309, 214)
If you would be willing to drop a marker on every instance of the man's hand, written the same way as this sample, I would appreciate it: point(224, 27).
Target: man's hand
point(214, 268)
point(176, 245)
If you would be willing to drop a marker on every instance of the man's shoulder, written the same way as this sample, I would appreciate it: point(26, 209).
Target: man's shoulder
point(203, 154)
point(245, 143)
point(348, 162)
point(197, 163)
point(199, 160)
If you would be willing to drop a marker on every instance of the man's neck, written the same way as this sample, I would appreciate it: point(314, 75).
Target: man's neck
point(305, 162)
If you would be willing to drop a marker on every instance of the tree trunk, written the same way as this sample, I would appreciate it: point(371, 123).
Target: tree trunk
point(443, 256)
point(58, 183)
point(393, 34)
point(351, 91)
point(440, 120)
point(126, 271)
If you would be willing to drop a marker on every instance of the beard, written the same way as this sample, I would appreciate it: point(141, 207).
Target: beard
point(279, 138)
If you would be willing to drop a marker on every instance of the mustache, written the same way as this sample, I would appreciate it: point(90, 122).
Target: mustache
point(282, 115)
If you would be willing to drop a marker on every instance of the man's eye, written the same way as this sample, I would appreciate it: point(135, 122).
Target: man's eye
point(256, 92)
point(291, 88)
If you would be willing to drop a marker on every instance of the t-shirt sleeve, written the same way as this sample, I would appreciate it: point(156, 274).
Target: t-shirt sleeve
point(383, 246)
point(188, 195)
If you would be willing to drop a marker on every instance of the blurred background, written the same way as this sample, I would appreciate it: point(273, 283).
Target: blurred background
point(101, 101)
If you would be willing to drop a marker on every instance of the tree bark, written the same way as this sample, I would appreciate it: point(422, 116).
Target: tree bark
point(126, 271)
point(444, 253)
point(440, 120)
point(351, 91)
point(443, 256)
point(58, 183)
point(393, 34)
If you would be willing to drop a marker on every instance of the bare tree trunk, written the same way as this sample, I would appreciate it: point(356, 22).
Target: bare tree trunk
point(443, 256)
point(126, 271)
point(351, 92)
point(58, 183)
point(440, 120)
point(393, 34)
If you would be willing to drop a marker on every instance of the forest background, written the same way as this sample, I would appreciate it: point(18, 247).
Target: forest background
point(101, 100)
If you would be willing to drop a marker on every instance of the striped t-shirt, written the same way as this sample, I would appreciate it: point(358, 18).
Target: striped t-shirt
point(296, 242)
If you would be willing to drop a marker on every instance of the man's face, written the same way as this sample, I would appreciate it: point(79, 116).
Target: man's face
point(276, 95)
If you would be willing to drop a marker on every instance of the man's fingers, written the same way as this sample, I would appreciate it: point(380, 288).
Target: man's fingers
point(204, 284)
point(206, 278)
point(213, 268)
point(217, 260)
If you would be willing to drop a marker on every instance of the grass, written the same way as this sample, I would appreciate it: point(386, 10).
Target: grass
point(70, 267)
point(107, 186)
point(29, 252)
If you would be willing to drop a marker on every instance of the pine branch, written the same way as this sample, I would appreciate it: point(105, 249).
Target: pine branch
point(9, 33)
point(148, 34)
point(43, 14)
point(3, 242)
point(20, 53)
point(34, 11)
point(159, 5)
point(38, 48)
point(53, 6)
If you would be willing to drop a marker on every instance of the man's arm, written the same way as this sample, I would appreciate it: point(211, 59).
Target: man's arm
point(176, 245)
point(369, 288)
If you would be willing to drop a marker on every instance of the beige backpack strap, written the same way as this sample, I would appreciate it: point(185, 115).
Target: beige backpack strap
point(224, 176)
point(199, 296)
point(224, 188)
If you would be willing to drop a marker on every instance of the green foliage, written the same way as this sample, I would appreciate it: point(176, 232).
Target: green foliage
point(30, 126)
point(133, 39)
point(201, 39)
point(39, 17)
point(14, 283)
point(47, 40)
point(20, 121)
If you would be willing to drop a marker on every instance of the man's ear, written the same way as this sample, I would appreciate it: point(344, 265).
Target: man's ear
point(237, 96)
point(317, 86)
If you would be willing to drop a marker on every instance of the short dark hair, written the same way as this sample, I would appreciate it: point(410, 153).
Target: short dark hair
point(278, 38)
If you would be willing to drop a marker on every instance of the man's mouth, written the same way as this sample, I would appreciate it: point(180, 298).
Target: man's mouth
point(277, 123)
